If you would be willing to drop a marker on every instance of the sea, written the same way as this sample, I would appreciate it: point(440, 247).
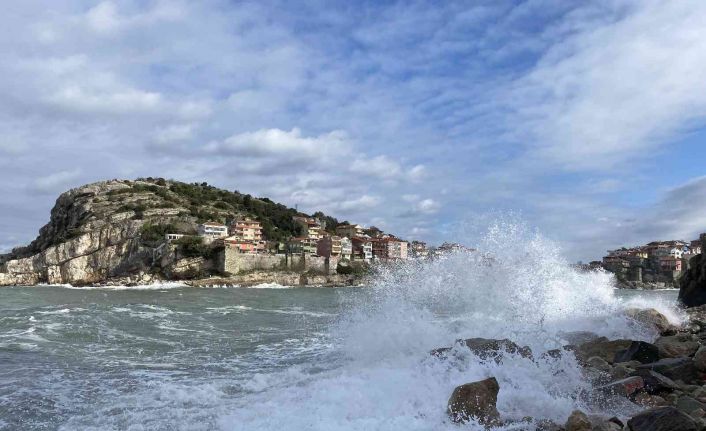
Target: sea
point(271, 357)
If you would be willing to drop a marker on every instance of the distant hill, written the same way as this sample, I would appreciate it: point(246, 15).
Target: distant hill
point(109, 229)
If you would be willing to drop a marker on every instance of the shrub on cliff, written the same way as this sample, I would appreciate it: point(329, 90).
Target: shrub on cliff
point(154, 233)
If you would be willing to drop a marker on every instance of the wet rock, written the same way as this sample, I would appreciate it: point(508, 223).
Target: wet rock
point(656, 383)
point(601, 347)
point(606, 426)
point(651, 401)
point(475, 401)
point(548, 425)
point(662, 419)
point(699, 392)
point(486, 348)
point(692, 285)
point(674, 368)
point(653, 319)
point(688, 405)
point(578, 421)
point(675, 346)
point(579, 337)
point(625, 387)
point(557, 353)
point(617, 421)
point(697, 316)
point(638, 351)
point(599, 364)
point(700, 359)
point(620, 371)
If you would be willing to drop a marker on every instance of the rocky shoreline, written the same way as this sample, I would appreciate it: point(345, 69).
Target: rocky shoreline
point(661, 386)
point(289, 279)
point(284, 279)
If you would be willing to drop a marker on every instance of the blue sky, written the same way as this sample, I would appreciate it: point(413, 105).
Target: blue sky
point(585, 117)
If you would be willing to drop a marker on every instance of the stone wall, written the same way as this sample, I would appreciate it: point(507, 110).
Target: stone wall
point(231, 261)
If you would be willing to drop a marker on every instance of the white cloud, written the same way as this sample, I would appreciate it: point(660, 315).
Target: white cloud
point(174, 133)
point(105, 18)
point(280, 143)
point(55, 182)
point(379, 166)
point(428, 206)
point(618, 90)
point(357, 205)
point(132, 101)
point(239, 95)
point(417, 173)
point(417, 206)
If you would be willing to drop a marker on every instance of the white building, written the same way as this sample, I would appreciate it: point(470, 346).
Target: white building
point(173, 236)
point(346, 248)
point(213, 230)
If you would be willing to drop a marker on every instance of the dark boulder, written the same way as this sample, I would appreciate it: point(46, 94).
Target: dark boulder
point(476, 401)
point(638, 351)
point(578, 337)
point(578, 421)
point(688, 405)
point(624, 387)
point(674, 368)
point(692, 285)
point(651, 318)
point(662, 419)
point(487, 348)
point(601, 347)
point(655, 383)
point(675, 346)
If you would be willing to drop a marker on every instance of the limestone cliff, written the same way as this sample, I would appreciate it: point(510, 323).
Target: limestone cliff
point(93, 234)
point(114, 230)
point(692, 286)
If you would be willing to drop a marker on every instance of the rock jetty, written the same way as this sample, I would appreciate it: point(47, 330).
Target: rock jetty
point(665, 381)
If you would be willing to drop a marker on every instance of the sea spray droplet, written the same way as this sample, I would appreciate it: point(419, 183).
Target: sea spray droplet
point(516, 286)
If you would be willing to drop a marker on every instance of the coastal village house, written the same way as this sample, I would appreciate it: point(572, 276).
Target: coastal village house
point(657, 261)
point(389, 248)
point(246, 229)
point(346, 248)
point(362, 248)
point(695, 247)
point(240, 245)
point(418, 249)
point(213, 230)
point(329, 246)
point(351, 241)
point(302, 245)
point(350, 230)
point(311, 228)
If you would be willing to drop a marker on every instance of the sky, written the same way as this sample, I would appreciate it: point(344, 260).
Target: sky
point(586, 119)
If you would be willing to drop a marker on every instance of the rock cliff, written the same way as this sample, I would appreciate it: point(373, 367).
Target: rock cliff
point(113, 231)
point(106, 230)
point(692, 286)
point(94, 233)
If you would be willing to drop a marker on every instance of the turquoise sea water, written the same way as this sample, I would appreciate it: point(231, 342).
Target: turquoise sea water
point(170, 357)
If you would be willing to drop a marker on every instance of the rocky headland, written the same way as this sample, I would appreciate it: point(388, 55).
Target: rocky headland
point(660, 384)
point(112, 232)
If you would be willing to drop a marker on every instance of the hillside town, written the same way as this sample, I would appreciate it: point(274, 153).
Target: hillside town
point(659, 263)
point(346, 241)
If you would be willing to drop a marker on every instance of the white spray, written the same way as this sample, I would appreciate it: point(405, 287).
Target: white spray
point(517, 286)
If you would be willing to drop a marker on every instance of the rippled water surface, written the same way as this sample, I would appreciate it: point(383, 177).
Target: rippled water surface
point(171, 358)
point(349, 359)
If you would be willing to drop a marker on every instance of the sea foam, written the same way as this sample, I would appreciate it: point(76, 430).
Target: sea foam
point(517, 286)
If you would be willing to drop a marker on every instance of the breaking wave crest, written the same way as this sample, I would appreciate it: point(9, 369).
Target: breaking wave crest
point(517, 286)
